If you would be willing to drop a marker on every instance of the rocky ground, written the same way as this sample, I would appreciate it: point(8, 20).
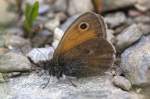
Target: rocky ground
point(128, 29)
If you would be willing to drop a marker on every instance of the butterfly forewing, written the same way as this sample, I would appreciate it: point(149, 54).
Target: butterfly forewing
point(75, 36)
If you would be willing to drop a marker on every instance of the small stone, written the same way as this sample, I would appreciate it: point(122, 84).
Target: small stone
point(142, 19)
point(135, 62)
point(6, 16)
point(42, 38)
point(128, 37)
point(109, 5)
point(52, 24)
point(110, 36)
point(122, 83)
point(14, 31)
point(79, 6)
point(13, 74)
point(145, 28)
point(41, 54)
point(1, 78)
point(134, 13)
point(3, 51)
point(13, 41)
point(61, 15)
point(143, 5)
point(12, 62)
point(59, 6)
point(2, 40)
point(58, 33)
point(43, 9)
point(115, 19)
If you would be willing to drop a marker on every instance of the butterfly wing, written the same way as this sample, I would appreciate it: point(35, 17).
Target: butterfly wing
point(90, 58)
point(74, 35)
point(84, 50)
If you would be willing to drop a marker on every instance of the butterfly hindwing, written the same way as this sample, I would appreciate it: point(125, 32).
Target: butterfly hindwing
point(92, 57)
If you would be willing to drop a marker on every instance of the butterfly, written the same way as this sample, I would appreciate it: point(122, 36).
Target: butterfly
point(83, 50)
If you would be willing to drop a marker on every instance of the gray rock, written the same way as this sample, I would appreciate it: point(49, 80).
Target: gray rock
point(42, 38)
point(62, 16)
point(122, 83)
point(135, 62)
point(144, 28)
point(4, 90)
point(2, 39)
point(79, 6)
point(59, 5)
point(115, 19)
point(142, 19)
point(58, 33)
point(15, 41)
point(110, 36)
point(109, 5)
point(13, 74)
point(87, 88)
point(14, 31)
point(52, 24)
point(6, 16)
point(129, 36)
point(11, 62)
point(43, 9)
point(41, 54)
point(3, 51)
point(143, 5)
point(1, 78)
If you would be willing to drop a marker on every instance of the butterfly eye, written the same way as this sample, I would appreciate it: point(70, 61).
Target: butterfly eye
point(83, 26)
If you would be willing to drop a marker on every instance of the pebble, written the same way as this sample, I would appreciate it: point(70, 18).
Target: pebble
point(109, 5)
point(58, 33)
point(59, 6)
point(129, 36)
point(6, 16)
point(135, 62)
point(42, 38)
point(41, 54)
point(14, 31)
point(13, 41)
point(2, 39)
point(14, 62)
point(110, 36)
point(142, 19)
point(143, 5)
point(1, 78)
point(61, 16)
point(115, 19)
point(79, 6)
point(122, 83)
point(52, 24)
point(43, 9)
point(145, 28)
point(3, 51)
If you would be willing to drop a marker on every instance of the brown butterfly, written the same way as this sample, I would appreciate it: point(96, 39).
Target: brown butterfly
point(83, 50)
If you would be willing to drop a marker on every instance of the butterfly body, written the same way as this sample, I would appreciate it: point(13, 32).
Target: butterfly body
point(83, 50)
